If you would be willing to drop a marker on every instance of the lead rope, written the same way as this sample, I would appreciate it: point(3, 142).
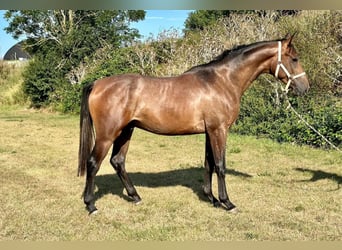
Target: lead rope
point(289, 106)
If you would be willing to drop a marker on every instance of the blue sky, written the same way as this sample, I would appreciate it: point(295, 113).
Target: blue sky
point(6, 40)
point(159, 20)
point(155, 22)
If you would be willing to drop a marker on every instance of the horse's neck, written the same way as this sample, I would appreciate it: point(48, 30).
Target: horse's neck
point(253, 63)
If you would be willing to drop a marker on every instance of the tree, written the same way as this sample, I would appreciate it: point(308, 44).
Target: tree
point(199, 19)
point(70, 36)
point(59, 25)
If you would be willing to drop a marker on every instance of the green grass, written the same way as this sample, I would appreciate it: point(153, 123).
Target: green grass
point(283, 192)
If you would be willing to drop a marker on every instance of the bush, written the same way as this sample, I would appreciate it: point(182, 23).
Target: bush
point(67, 97)
point(261, 116)
point(41, 78)
point(325, 117)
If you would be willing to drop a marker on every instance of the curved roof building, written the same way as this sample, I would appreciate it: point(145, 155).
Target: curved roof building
point(16, 53)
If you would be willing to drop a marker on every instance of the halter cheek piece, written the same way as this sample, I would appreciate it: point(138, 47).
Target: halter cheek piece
point(281, 65)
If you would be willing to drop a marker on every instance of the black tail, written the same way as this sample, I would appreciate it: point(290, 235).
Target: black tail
point(86, 131)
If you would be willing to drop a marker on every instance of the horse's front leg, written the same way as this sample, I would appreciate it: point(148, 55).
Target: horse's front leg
point(218, 137)
point(209, 169)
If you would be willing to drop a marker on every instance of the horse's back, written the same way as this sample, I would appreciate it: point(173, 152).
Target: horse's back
point(167, 105)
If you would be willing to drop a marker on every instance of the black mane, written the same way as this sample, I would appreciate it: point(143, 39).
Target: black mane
point(231, 53)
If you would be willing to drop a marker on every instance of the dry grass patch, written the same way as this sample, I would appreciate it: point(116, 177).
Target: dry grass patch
point(11, 91)
point(284, 192)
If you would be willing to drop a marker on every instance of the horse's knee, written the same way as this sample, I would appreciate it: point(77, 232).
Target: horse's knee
point(220, 170)
point(118, 162)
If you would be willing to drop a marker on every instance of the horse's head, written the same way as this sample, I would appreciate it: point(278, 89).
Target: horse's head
point(288, 68)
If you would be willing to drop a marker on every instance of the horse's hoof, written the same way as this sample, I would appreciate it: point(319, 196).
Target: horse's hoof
point(234, 210)
point(94, 212)
point(136, 199)
point(91, 210)
point(138, 202)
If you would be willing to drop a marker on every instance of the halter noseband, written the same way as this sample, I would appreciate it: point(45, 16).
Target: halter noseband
point(281, 65)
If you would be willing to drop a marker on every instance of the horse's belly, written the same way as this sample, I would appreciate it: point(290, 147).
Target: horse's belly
point(171, 126)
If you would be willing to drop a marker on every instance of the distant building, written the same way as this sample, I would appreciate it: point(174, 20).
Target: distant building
point(16, 53)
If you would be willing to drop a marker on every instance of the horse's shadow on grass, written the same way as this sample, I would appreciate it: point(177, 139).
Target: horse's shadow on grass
point(190, 177)
point(321, 175)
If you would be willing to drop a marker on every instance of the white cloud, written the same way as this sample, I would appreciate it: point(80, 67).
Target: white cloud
point(155, 17)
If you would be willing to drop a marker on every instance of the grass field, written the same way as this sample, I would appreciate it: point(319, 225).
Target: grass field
point(283, 192)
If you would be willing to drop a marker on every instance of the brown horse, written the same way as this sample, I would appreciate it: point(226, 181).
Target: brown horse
point(205, 99)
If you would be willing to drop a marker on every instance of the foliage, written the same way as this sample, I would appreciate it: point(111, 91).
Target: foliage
point(66, 98)
point(202, 19)
point(260, 115)
point(115, 62)
point(39, 80)
point(68, 28)
point(326, 117)
point(61, 39)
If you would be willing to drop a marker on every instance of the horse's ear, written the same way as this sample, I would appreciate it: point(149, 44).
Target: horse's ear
point(289, 38)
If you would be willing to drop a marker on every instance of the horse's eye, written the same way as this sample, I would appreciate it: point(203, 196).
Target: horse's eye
point(295, 59)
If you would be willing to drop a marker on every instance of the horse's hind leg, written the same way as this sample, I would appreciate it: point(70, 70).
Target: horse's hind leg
point(120, 148)
point(93, 165)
